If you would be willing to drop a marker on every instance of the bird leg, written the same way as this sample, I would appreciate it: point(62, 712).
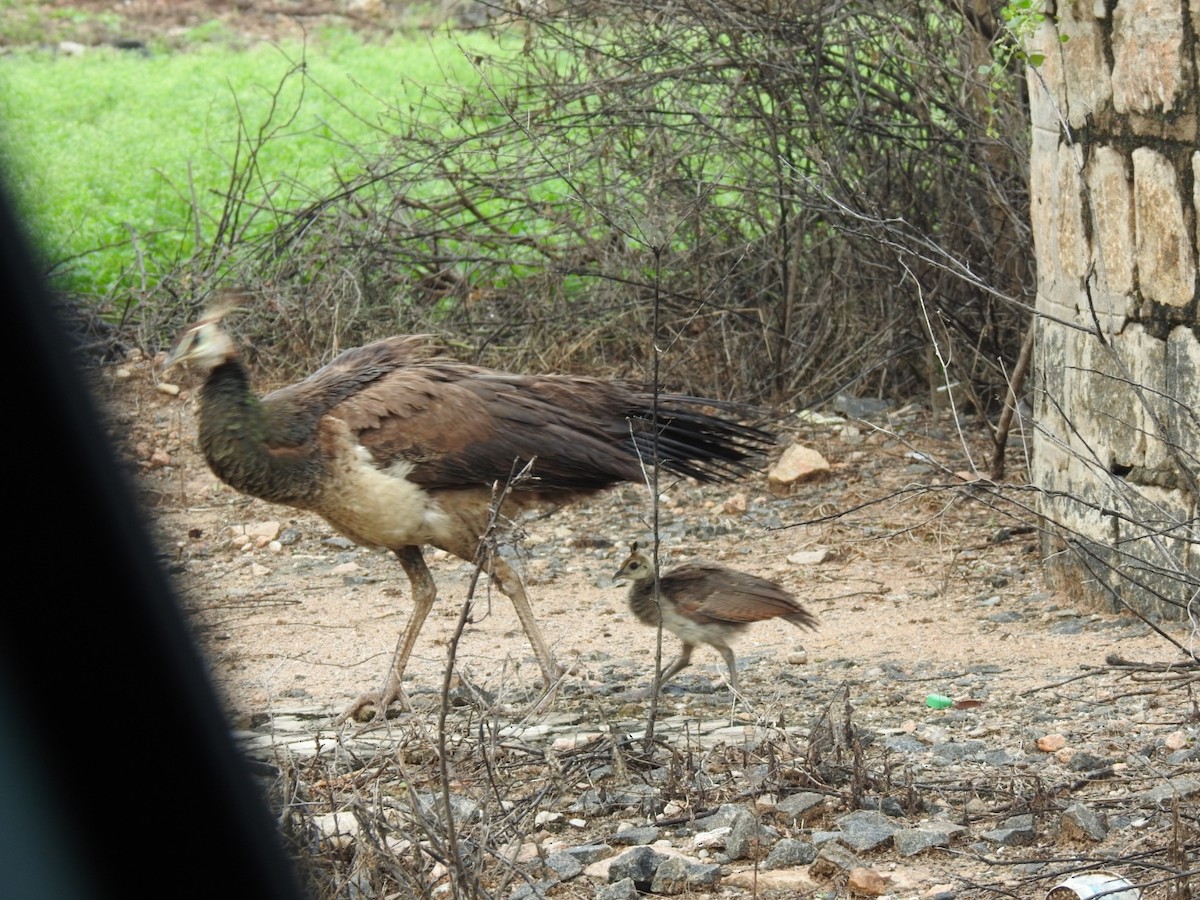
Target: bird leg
point(510, 584)
point(727, 654)
point(685, 657)
point(424, 592)
point(682, 661)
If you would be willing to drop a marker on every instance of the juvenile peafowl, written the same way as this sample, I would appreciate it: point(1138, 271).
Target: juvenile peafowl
point(705, 604)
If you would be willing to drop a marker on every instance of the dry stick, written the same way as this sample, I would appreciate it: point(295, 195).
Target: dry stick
point(656, 357)
point(944, 361)
point(1011, 401)
point(458, 867)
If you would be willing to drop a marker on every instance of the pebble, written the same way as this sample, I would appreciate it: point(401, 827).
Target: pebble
point(748, 837)
point(1078, 822)
point(790, 852)
point(1051, 742)
point(1016, 831)
point(867, 881)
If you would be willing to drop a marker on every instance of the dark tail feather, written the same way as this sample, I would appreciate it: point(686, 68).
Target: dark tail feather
point(698, 444)
point(802, 618)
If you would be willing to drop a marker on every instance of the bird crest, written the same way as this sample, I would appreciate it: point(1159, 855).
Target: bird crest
point(204, 343)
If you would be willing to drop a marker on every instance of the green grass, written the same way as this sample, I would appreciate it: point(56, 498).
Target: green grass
point(106, 151)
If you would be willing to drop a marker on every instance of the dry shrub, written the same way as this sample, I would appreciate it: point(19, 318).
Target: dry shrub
point(786, 201)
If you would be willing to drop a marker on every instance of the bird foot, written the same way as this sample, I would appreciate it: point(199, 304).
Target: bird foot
point(373, 706)
point(553, 678)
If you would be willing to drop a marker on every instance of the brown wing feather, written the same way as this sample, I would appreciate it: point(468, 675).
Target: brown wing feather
point(354, 370)
point(292, 412)
point(719, 594)
point(465, 425)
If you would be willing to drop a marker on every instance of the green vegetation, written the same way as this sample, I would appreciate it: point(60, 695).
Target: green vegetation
point(122, 161)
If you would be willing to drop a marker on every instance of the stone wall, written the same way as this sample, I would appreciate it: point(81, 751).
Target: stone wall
point(1115, 185)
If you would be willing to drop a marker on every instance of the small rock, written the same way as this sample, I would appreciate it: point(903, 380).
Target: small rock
point(1083, 761)
point(1051, 742)
point(564, 865)
point(797, 464)
point(1078, 822)
point(1068, 627)
point(549, 820)
point(462, 808)
point(790, 852)
point(1182, 787)
point(711, 840)
point(735, 505)
point(797, 658)
point(724, 815)
point(781, 882)
point(574, 741)
point(866, 829)
point(808, 557)
point(1015, 832)
point(539, 890)
point(976, 806)
point(638, 864)
point(339, 829)
point(631, 837)
point(268, 530)
point(867, 881)
point(1006, 617)
point(1176, 740)
point(748, 837)
point(833, 859)
point(802, 807)
point(859, 407)
point(624, 889)
point(959, 749)
point(164, 387)
point(678, 875)
point(911, 841)
point(588, 853)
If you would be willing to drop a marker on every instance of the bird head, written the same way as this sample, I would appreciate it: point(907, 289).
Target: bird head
point(204, 343)
point(637, 566)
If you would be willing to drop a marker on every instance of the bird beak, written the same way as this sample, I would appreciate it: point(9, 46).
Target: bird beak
point(172, 359)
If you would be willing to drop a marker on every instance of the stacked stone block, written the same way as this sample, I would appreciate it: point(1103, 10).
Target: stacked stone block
point(1115, 185)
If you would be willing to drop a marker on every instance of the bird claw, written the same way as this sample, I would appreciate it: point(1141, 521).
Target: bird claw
point(373, 706)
